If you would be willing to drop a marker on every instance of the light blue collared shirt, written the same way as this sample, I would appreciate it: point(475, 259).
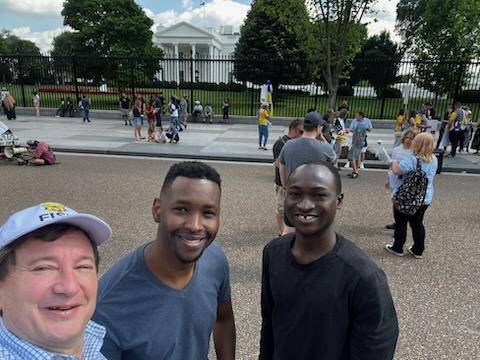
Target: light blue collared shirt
point(13, 348)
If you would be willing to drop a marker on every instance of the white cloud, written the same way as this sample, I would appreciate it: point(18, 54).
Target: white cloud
point(37, 7)
point(383, 19)
point(43, 39)
point(187, 4)
point(213, 14)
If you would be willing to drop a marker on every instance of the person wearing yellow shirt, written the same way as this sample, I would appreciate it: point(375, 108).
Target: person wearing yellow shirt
point(263, 122)
point(456, 127)
point(399, 127)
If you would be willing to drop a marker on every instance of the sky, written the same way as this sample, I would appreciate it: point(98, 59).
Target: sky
point(40, 20)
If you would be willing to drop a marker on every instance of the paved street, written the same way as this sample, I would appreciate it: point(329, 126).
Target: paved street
point(436, 298)
point(236, 141)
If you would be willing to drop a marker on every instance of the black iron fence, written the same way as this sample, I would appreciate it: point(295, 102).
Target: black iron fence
point(380, 88)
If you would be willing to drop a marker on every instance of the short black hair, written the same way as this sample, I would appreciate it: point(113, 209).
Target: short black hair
point(329, 166)
point(192, 170)
point(361, 113)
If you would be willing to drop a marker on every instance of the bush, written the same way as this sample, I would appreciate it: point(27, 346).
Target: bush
point(345, 90)
point(392, 93)
point(469, 96)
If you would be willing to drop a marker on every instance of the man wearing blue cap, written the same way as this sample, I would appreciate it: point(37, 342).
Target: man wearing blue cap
point(48, 284)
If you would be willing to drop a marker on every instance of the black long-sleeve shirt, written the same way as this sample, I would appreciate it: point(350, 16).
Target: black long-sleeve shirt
point(338, 307)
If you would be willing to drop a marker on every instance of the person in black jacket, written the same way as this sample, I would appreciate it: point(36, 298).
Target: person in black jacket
point(322, 297)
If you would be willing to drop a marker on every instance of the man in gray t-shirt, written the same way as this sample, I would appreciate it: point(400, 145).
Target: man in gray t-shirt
point(306, 148)
point(164, 300)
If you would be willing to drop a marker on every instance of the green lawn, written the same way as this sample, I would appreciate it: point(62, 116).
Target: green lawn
point(242, 103)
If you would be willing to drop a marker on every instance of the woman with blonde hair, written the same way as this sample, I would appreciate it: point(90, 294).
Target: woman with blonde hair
point(422, 152)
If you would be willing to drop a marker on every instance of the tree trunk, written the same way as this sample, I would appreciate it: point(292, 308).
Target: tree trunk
point(332, 97)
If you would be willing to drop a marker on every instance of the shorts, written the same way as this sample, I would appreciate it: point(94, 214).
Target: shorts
point(279, 199)
point(125, 113)
point(137, 121)
point(354, 153)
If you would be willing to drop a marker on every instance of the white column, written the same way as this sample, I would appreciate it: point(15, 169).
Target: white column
point(210, 56)
point(194, 53)
point(177, 63)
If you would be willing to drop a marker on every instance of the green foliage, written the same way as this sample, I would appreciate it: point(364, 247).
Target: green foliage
point(378, 63)
point(103, 28)
point(441, 30)
point(12, 45)
point(271, 45)
point(337, 37)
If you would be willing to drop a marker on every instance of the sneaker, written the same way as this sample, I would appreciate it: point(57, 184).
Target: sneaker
point(389, 248)
point(410, 251)
point(260, 148)
point(362, 166)
point(390, 226)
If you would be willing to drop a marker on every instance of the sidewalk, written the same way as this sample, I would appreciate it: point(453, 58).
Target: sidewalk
point(231, 142)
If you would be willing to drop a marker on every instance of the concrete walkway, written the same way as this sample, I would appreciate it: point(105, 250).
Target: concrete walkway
point(233, 142)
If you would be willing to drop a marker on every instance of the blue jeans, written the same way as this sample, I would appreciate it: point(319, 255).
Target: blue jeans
point(174, 120)
point(262, 134)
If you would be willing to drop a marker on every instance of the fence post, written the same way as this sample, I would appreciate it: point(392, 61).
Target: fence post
point(458, 82)
point(20, 78)
point(316, 96)
point(74, 65)
point(192, 74)
point(382, 108)
point(132, 81)
point(252, 111)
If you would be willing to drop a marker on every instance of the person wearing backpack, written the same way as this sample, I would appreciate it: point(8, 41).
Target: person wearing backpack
point(413, 194)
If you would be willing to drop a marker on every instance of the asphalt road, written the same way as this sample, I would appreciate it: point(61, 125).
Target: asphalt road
point(436, 298)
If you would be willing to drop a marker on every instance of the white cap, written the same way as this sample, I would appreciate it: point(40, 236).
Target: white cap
point(41, 215)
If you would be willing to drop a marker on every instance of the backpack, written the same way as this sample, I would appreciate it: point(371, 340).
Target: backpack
point(411, 193)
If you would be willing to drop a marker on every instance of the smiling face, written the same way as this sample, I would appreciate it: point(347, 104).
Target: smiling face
point(311, 199)
point(50, 292)
point(188, 217)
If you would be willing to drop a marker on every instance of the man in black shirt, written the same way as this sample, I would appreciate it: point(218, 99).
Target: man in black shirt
point(125, 106)
point(322, 297)
point(295, 130)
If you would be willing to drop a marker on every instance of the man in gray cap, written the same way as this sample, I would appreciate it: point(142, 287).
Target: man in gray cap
point(48, 284)
point(304, 149)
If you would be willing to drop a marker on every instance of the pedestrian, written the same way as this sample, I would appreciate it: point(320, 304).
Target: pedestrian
point(159, 105)
point(443, 136)
point(422, 154)
point(344, 105)
point(322, 297)
point(150, 114)
point(456, 127)
point(359, 136)
point(159, 136)
point(48, 284)
point(295, 130)
point(36, 102)
point(61, 109)
point(164, 300)
point(137, 122)
point(174, 113)
point(41, 152)
point(398, 154)
point(9, 106)
point(476, 139)
point(369, 126)
point(125, 105)
point(198, 112)
point(399, 127)
point(3, 93)
point(226, 109)
point(208, 113)
point(341, 134)
point(86, 108)
point(263, 122)
point(172, 134)
point(184, 111)
point(468, 131)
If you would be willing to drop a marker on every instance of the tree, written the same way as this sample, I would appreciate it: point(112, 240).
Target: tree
point(65, 44)
point(444, 36)
point(110, 28)
point(337, 37)
point(378, 62)
point(13, 45)
point(272, 43)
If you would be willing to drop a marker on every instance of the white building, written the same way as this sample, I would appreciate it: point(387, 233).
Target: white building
point(186, 45)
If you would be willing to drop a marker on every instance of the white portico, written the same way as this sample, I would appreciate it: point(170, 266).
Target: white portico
point(186, 45)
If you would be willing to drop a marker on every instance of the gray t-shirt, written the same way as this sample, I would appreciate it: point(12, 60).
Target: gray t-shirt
point(303, 150)
point(145, 319)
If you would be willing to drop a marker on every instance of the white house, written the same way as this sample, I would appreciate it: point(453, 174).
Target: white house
point(186, 45)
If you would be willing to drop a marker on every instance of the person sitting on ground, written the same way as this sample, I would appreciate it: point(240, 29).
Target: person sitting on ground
point(172, 134)
point(48, 284)
point(159, 136)
point(208, 114)
point(61, 110)
point(69, 107)
point(42, 153)
point(197, 111)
